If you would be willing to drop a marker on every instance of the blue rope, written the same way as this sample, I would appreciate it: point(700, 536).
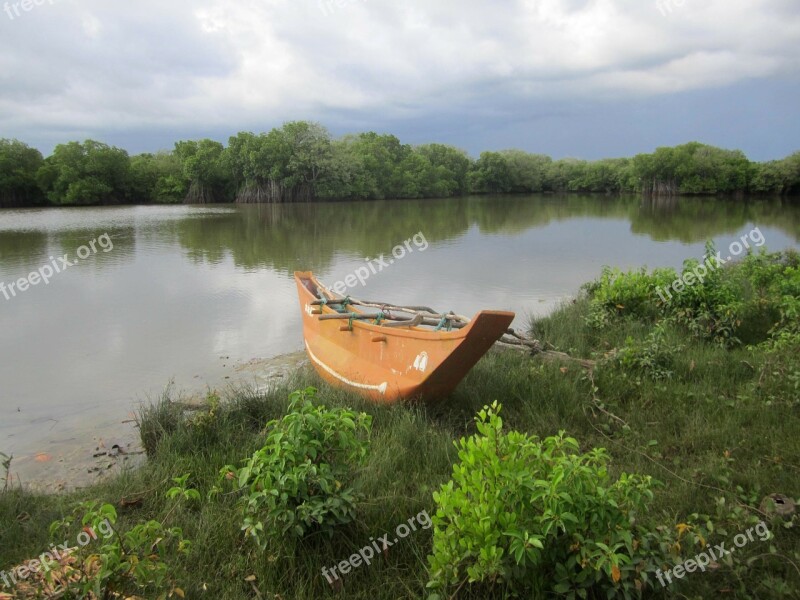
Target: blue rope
point(443, 322)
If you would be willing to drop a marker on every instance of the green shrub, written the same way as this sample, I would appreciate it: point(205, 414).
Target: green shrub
point(711, 309)
point(301, 480)
point(738, 302)
point(114, 564)
point(654, 357)
point(539, 516)
point(633, 293)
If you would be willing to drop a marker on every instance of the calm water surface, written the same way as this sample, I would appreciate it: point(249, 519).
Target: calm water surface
point(190, 294)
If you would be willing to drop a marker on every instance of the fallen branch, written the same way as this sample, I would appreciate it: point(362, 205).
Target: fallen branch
point(515, 340)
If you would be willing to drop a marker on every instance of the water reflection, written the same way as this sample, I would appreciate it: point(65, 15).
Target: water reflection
point(309, 236)
point(698, 219)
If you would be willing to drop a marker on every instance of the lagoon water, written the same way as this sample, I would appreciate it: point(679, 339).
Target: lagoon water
point(191, 294)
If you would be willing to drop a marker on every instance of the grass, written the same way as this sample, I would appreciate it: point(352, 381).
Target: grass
point(717, 427)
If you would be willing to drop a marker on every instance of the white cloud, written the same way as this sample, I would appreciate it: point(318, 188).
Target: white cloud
point(87, 65)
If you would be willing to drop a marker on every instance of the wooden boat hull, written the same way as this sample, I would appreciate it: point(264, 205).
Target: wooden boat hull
point(388, 364)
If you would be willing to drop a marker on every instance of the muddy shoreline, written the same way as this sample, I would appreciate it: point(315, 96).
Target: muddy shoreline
point(99, 451)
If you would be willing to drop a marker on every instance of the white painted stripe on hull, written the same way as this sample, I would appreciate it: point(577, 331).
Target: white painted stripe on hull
point(362, 386)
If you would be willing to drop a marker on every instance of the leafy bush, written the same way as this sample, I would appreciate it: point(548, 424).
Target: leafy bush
point(300, 481)
point(740, 302)
point(113, 564)
point(633, 293)
point(654, 357)
point(727, 304)
point(539, 516)
point(710, 309)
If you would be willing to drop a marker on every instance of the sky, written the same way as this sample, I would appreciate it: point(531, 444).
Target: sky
point(580, 78)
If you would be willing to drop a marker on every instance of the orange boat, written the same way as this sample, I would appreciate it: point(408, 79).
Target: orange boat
point(396, 353)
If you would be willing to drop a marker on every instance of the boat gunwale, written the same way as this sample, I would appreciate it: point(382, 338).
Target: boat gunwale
point(413, 332)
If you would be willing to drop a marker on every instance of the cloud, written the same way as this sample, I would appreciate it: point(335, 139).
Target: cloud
point(86, 67)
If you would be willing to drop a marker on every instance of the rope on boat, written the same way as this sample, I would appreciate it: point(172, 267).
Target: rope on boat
point(441, 324)
point(426, 316)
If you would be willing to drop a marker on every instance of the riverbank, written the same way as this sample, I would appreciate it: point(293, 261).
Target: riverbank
point(700, 393)
point(101, 446)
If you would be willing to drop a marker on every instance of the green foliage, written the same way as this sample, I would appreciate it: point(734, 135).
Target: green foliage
point(527, 172)
point(18, 166)
point(712, 308)
point(300, 161)
point(301, 480)
point(180, 490)
point(539, 516)
point(87, 173)
point(778, 176)
point(448, 170)
point(728, 304)
point(157, 178)
point(607, 175)
point(701, 533)
point(114, 564)
point(376, 166)
point(780, 372)
point(157, 421)
point(722, 436)
point(491, 174)
point(5, 463)
point(205, 419)
point(692, 168)
point(283, 165)
point(347, 175)
point(563, 174)
point(202, 167)
point(617, 294)
point(654, 357)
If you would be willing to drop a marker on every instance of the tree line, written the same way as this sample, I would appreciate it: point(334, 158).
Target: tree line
point(301, 161)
